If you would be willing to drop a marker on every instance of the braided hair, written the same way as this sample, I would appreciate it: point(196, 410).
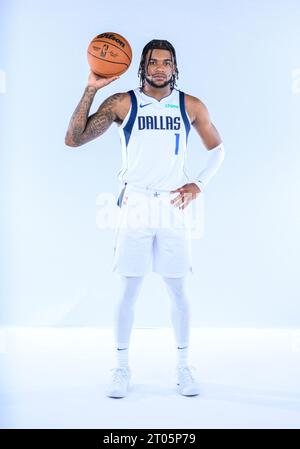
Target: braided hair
point(161, 45)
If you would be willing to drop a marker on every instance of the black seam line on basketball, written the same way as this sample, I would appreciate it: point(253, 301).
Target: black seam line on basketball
point(112, 62)
point(100, 40)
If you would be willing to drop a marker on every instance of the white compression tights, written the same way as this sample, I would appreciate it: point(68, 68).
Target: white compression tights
point(180, 313)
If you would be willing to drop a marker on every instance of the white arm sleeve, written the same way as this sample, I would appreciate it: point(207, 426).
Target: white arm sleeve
point(215, 159)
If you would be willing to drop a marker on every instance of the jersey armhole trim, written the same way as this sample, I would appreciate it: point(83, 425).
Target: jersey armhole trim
point(127, 129)
point(186, 120)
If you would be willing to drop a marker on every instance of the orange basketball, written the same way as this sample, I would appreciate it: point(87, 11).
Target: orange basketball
point(109, 54)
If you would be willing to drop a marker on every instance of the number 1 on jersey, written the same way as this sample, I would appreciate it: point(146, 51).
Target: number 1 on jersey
point(177, 135)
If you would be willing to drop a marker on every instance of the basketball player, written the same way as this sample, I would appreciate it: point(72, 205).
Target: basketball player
point(154, 121)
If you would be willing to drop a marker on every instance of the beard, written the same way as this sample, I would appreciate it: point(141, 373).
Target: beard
point(158, 86)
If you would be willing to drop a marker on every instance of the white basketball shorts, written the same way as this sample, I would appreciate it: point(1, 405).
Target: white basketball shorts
point(151, 235)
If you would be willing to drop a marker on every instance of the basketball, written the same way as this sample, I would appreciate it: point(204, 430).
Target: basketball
point(109, 54)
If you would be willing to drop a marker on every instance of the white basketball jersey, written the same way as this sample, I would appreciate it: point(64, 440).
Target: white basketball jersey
point(154, 137)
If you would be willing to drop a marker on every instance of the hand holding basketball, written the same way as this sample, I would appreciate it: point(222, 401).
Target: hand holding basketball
point(98, 81)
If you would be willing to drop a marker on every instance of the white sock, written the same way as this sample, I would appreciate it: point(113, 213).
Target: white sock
point(180, 316)
point(122, 357)
point(124, 316)
point(182, 355)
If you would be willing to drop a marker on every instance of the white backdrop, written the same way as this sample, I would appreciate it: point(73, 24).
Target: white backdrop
point(241, 58)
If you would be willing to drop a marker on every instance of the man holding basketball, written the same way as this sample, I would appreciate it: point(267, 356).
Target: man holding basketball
point(154, 121)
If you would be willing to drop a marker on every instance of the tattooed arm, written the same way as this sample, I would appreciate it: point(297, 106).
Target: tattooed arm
point(83, 128)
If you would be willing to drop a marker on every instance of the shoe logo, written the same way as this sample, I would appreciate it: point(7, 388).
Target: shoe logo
point(143, 105)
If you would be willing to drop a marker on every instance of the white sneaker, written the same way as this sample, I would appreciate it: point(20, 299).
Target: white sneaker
point(187, 385)
point(120, 382)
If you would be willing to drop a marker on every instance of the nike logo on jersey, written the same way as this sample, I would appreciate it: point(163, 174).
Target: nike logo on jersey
point(143, 105)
